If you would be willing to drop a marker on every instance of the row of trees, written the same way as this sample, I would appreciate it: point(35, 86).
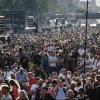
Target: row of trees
point(33, 7)
point(38, 7)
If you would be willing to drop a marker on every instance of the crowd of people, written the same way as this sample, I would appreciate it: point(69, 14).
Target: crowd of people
point(50, 66)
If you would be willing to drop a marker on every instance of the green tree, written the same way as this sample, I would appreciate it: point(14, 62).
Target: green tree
point(42, 6)
point(34, 7)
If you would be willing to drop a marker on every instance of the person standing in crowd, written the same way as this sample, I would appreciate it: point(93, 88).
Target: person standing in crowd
point(22, 95)
point(31, 81)
point(68, 63)
point(2, 61)
point(74, 58)
point(61, 91)
point(15, 88)
point(24, 62)
point(9, 60)
point(81, 51)
point(52, 88)
point(2, 97)
point(82, 95)
point(56, 66)
point(45, 63)
point(39, 72)
point(90, 89)
point(6, 92)
point(70, 95)
point(36, 58)
point(22, 58)
point(36, 90)
point(45, 95)
point(52, 62)
point(63, 73)
point(21, 77)
point(60, 60)
point(19, 55)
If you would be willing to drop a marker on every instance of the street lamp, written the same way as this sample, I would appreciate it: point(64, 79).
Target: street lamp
point(86, 31)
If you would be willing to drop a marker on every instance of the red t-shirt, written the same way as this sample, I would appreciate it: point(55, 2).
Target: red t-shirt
point(15, 92)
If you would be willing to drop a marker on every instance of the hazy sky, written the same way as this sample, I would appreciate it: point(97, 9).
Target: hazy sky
point(85, 0)
point(97, 2)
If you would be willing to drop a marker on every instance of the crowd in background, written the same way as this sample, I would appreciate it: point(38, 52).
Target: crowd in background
point(50, 66)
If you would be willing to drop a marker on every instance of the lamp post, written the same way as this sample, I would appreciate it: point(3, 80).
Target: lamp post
point(86, 31)
point(13, 21)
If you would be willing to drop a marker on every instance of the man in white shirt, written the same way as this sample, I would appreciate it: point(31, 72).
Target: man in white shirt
point(35, 90)
point(52, 62)
point(90, 62)
point(96, 63)
point(81, 51)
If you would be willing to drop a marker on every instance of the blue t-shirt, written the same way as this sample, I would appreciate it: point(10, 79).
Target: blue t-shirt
point(45, 62)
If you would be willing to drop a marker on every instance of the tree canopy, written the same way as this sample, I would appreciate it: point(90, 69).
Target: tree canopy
point(38, 7)
point(34, 7)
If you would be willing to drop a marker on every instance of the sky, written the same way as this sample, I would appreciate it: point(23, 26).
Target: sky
point(97, 2)
point(84, 0)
